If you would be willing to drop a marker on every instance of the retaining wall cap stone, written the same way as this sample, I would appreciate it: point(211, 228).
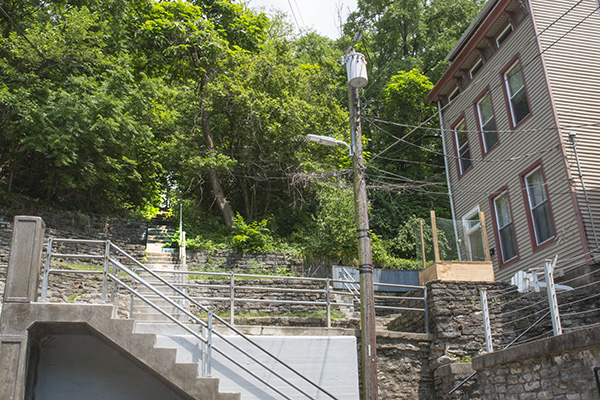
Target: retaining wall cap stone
point(557, 344)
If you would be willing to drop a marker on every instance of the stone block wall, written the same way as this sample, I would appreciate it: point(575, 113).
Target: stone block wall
point(278, 290)
point(403, 366)
point(557, 368)
point(243, 263)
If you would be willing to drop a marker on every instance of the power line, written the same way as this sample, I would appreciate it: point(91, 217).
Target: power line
point(294, 15)
point(473, 160)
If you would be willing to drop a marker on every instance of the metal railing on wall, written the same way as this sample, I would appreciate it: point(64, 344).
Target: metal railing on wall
point(542, 302)
point(555, 298)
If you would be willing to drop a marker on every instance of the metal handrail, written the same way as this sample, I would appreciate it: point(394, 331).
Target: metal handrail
point(133, 273)
point(230, 326)
point(200, 322)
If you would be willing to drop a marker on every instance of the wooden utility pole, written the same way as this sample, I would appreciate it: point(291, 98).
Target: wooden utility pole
point(365, 266)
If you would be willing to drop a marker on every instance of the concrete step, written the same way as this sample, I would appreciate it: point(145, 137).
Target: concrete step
point(158, 362)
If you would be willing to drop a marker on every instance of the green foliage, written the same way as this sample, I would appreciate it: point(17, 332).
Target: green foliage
point(383, 255)
point(407, 243)
point(252, 238)
point(333, 231)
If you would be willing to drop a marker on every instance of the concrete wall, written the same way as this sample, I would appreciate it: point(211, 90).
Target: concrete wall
point(77, 365)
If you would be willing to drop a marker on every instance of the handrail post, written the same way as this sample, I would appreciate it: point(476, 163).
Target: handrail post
point(46, 277)
point(552, 300)
point(115, 299)
point(105, 270)
point(232, 299)
point(487, 328)
point(328, 301)
point(209, 343)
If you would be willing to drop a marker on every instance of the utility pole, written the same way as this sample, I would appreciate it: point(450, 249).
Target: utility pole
point(356, 79)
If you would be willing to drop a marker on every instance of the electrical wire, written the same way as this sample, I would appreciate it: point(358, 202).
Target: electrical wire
point(294, 15)
point(524, 65)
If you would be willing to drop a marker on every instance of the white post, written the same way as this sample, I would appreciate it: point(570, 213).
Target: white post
point(489, 345)
point(328, 301)
point(552, 300)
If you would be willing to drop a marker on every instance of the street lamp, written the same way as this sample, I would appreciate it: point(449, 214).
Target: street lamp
point(357, 78)
point(328, 141)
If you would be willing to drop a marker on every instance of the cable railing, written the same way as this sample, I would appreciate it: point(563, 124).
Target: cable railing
point(543, 302)
point(117, 272)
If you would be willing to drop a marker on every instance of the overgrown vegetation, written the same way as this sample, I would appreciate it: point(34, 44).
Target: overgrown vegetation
point(122, 108)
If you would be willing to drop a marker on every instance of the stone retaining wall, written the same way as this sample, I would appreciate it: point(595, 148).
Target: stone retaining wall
point(262, 290)
point(227, 260)
point(403, 366)
point(557, 368)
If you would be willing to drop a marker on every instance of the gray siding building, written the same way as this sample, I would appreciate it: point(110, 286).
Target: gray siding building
point(520, 115)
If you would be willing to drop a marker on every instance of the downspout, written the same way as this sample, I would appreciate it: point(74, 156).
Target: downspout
point(448, 181)
point(587, 202)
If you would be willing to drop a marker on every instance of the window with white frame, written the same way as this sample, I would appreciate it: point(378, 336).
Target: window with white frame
point(454, 94)
point(487, 122)
point(504, 225)
point(539, 206)
point(504, 35)
point(478, 65)
point(473, 236)
point(462, 146)
point(517, 95)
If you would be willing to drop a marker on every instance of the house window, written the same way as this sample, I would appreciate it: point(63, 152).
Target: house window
point(476, 68)
point(462, 145)
point(454, 94)
point(539, 206)
point(487, 123)
point(504, 35)
point(474, 236)
point(517, 96)
point(505, 228)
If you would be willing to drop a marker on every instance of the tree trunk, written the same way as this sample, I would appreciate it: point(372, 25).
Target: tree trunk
point(215, 182)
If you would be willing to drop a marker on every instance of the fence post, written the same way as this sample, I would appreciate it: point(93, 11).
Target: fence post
point(46, 277)
point(105, 270)
point(422, 244)
point(484, 236)
point(489, 346)
point(552, 300)
point(436, 247)
point(232, 299)
point(328, 301)
point(425, 309)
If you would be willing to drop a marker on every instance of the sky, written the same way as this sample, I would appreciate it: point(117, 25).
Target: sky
point(318, 14)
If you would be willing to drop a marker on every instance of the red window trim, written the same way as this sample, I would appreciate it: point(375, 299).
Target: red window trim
point(493, 196)
point(511, 63)
point(454, 142)
point(534, 245)
point(479, 127)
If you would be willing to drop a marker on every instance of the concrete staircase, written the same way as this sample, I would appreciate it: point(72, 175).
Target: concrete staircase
point(96, 320)
point(161, 260)
point(325, 356)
